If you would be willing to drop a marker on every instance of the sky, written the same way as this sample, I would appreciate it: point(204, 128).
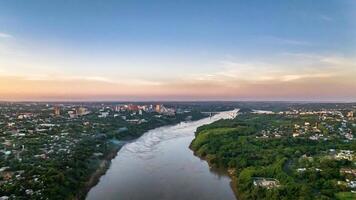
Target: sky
point(277, 50)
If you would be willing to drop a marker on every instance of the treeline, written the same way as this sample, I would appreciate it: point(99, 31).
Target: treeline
point(232, 144)
point(64, 174)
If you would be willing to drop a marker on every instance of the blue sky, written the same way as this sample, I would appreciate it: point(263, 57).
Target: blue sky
point(164, 43)
point(214, 25)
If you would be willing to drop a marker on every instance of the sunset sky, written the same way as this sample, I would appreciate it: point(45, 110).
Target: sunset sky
point(178, 50)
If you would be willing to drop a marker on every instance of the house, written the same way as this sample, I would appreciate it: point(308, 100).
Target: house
point(301, 169)
point(268, 183)
point(345, 154)
point(348, 171)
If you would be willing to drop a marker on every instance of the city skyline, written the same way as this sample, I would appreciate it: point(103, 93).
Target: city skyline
point(175, 50)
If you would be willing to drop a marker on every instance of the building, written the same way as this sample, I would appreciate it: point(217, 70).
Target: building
point(348, 171)
point(163, 110)
point(132, 107)
point(268, 183)
point(117, 108)
point(345, 155)
point(103, 114)
point(158, 108)
point(80, 111)
point(57, 111)
point(72, 114)
point(350, 115)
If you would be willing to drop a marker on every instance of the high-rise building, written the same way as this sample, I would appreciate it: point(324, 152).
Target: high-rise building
point(158, 108)
point(132, 107)
point(57, 111)
point(117, 108)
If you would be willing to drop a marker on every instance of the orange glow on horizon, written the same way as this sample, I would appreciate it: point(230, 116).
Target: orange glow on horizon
point(17, 88)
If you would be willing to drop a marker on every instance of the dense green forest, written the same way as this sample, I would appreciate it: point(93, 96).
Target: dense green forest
point(304, 168)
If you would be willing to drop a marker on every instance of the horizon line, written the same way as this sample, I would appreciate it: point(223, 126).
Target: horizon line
point(177, 101)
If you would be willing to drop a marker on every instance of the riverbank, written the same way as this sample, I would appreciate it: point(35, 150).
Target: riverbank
point(228, 172)
point(268, 158)
point(105, 163)
point(147, 163)
point(100, 171)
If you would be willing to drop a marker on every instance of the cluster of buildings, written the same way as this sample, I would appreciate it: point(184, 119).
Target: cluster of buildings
point(306, 128)
point(274, 133)
point(344, 155)
point(133, 109)
point(268, 183)
point(329, 123)
point(57, 129)
point(350, 180)
point(158, 108)
point(75, 112)
point(135, 114)
point(331, 120)
point(323, 124)
point(39, 133)
point(303, 169)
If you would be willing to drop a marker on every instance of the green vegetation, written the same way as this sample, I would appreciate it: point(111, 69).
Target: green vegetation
point(262, 145)
point(345, 196)
point(43, 156)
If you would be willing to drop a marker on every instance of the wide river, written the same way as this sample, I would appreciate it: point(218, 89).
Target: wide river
point(160, 166)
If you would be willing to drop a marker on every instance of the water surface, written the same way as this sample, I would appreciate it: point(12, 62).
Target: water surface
point(160, 166)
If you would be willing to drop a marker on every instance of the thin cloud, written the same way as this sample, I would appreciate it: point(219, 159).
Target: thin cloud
point(325, 18)
point(294, 67)
point(5, 35)
point(286, 41)
point(332, 60)
point(49, 77)
point(295, 77)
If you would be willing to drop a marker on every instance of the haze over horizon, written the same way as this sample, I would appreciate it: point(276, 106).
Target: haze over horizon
point(174, 50)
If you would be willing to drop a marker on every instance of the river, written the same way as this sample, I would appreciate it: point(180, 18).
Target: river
point(160, 166)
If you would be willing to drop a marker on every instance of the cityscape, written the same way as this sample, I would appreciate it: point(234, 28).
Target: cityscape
point(40, 137)
point(177, 100)
point(59, 150)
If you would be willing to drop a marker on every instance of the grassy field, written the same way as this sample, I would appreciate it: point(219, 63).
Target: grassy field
point(346, 196)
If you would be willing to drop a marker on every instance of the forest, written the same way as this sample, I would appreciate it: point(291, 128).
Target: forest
point(304, 168)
